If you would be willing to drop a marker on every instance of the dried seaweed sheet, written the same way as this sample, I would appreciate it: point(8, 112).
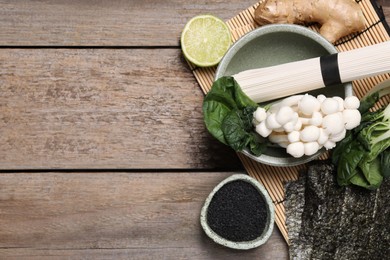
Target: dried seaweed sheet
point(326, 221)
point(294, 205)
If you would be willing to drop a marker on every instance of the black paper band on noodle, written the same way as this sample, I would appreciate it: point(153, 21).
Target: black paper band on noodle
point(330, 70)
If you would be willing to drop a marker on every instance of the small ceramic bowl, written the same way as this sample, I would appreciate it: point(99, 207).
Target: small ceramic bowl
point(246, 244)
point(272, 45)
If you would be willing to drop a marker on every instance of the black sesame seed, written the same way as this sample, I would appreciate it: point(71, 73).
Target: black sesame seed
point(237, 212)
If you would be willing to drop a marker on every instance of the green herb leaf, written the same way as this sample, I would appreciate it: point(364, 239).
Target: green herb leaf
point(237, 129)
point(371, 171)
point(359, 180)
point(224, 96)
point(362, 158)
point(348, 162)
point(228, 115)
point(385, 163)
point(368, 102)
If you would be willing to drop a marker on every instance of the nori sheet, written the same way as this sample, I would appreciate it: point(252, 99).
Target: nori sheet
point(326, 221)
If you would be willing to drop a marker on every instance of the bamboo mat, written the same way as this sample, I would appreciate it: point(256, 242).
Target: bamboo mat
point(273, 178)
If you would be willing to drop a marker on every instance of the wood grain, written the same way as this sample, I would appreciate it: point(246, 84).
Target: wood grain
point(108, 23)
point(101, 215)
point(386, 9)
point(103, 109)
point(134, 108)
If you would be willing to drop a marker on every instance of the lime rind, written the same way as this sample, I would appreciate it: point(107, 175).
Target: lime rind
point(205, 40)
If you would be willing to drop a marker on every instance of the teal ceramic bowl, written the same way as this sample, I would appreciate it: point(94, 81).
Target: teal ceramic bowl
point(272, 45)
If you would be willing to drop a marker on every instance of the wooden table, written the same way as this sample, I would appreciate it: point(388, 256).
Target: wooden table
point(104, 154)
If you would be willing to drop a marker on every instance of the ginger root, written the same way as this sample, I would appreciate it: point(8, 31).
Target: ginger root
point(337, 18)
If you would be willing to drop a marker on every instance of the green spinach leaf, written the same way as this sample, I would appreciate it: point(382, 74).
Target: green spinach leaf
point(228, 115)
point(348, 162)
point(362, 158)
point(368, 102)
point(371, 170)
point(237, 129)
point(385, 163)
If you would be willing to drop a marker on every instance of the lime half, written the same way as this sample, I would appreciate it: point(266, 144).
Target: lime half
point(205, 39)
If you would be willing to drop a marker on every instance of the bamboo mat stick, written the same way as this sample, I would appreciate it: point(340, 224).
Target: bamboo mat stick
point(273, 178)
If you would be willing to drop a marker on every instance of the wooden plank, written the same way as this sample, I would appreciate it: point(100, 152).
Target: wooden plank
point(108, 23)
point(103, 108)
point(386, 9)
point(113, 215)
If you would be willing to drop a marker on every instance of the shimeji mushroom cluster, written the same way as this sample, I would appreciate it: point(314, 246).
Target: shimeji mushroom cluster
point(303, 124)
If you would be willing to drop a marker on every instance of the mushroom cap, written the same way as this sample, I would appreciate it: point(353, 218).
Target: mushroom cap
point(310, 133)
point(296, 149)
point(351, 102)
point(333, 123)
point(284, 115)
point(293, 136)
point(271, 122)
point(311, 148)
point(309, 104)
point(352, 118)
point(341, 103)
point(260, 114)
point(262, 129)
point(329, 106)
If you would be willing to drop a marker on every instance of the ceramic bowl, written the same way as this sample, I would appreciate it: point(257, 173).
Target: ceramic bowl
point(272, 45)
point(263, 238)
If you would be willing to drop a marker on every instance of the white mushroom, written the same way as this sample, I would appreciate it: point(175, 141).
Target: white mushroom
point(338, 137)
point(329, 106)
point(279, 130)
point(323, 137)
point(294, 136)
point(303, 124)
point(308, 104)
point(284, 115)
point(296, 149)
point(311, 148)
point(289, 126)
point(340, 101)
point(283, 144)
point(351, 102)
point(310, 133)
point(271, 122)
point(291, 100)
point(316, 119)
point(352, 118)
point(298, 125)
point(262, 129)
point(329, 145)
point(333, 123)
point(260, 114)
point(304, 120)
point(321, 98)
point(277, 138)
